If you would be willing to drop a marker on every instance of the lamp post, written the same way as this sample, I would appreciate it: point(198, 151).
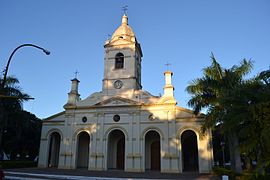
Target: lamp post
point(2, 87)
point(222, 144)
point(10, 57)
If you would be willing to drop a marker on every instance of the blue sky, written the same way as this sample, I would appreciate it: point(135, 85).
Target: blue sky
point(182, 32)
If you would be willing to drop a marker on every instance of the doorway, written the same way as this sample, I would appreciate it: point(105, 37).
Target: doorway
point(116, 150)
point(189, 151)
point(152, 151)
point(54, 149)
point(83, 150)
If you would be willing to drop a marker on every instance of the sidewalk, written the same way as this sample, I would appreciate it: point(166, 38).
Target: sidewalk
point(53, 173)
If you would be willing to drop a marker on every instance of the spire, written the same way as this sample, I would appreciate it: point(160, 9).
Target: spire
point(73, 95)
point(125, 19)
point(168, 88)
point(124, 31)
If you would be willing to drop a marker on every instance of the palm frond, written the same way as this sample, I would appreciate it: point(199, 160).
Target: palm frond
point(214, 71)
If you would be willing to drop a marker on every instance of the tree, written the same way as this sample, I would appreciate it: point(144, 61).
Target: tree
point(250, 103)
point(11, 98)
point(22, 135)
point(210, 91)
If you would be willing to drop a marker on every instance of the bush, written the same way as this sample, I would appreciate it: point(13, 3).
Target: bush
point(245, 176)
point(223, 171)
point(17, 164)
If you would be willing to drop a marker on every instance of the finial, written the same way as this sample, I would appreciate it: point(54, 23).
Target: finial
point(125, 8)
point(76, 74)
point(168, 64)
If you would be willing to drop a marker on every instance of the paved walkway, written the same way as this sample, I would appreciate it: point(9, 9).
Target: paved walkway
point(84, 174)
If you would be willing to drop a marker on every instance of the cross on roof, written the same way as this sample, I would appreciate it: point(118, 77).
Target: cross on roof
point(125, 8)
point(76, 73)
point(168, 65)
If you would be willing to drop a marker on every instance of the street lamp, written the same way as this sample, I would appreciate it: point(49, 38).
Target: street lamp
point(2, 87)
point(222, 144)
point(10, 57)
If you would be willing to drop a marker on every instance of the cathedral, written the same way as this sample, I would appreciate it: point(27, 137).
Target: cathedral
point(124, 127)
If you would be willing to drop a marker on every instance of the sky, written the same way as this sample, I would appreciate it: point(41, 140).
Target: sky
point(181, 32)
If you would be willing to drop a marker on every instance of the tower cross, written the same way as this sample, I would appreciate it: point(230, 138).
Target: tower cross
point(125, 9)
point(168, 65)
point(76, 73)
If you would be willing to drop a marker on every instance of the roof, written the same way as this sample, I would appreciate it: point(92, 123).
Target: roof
point(124, 31)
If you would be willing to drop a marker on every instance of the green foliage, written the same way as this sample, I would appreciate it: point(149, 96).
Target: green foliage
point(14, 93)
point(223, 171)
point(210, 91)
point(22, 135)
point(17, 164)
point(255, 127)
point(220, 171)
point(252, 176)
point(241, 107)
point(19, 130)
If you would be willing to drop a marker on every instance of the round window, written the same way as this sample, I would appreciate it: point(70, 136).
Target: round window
point(116, 118)
point(84, 119)
point(151, 117)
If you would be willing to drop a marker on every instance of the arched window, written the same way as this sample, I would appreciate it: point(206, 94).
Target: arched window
point(119, 61)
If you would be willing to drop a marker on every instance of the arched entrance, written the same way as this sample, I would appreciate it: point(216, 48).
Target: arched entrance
point(152, 151)
point(83, 150)
point(116, 150)
point(54, 148)
point(189, 151)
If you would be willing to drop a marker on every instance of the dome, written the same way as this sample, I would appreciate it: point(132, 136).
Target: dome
point(124, 31)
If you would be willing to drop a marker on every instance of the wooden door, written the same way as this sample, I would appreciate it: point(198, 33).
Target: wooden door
point(155, 155)
point(120, 161)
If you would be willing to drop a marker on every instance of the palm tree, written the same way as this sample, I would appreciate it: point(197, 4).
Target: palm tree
point(11, 99)
point(253, 98)
point(210, 92)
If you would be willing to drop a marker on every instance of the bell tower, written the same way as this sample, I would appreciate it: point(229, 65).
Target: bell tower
point(122, 61)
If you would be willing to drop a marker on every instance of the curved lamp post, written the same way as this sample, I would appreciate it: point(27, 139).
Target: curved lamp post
point(10, 57)
point(2, 86)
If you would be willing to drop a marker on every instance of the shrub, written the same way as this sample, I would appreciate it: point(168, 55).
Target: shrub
point(223, 171)
point(17, 164)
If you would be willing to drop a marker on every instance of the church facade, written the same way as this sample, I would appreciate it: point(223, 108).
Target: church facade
point(123, 126)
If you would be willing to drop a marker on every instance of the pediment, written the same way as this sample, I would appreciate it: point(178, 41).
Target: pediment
point(56, 117)
point(117, 101)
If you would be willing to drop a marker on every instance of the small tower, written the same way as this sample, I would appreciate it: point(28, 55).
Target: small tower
point(168, 88)
point(73, 95)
